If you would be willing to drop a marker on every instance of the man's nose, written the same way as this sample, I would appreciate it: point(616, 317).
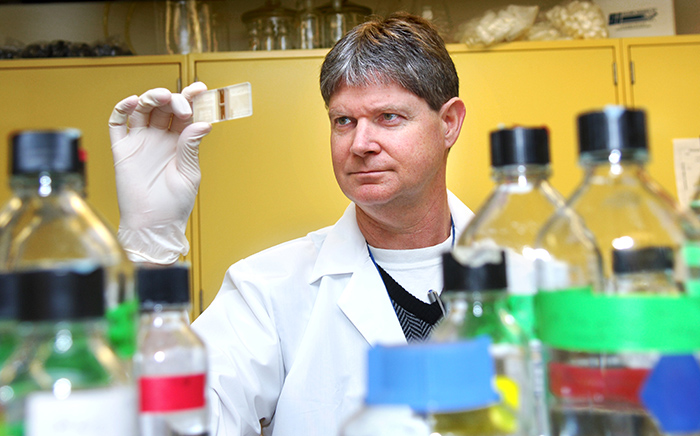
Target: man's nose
point(365, 139)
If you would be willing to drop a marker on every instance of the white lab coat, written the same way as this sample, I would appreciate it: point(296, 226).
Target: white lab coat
point(289, 330)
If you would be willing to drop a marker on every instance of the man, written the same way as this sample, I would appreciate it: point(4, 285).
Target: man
point(290, 327)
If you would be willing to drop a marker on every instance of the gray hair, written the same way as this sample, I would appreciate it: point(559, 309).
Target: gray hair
point(402, 49)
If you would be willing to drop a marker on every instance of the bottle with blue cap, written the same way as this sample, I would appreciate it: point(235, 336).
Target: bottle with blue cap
point(616, 289)
point(424, 389)
point(64, 378)
point(477, 304)
point(517, 208)
point(48, 223)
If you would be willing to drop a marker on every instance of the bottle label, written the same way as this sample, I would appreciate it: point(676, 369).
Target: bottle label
point(580, 320)
point(104, 412)
point(175, 393)
point(620, 385)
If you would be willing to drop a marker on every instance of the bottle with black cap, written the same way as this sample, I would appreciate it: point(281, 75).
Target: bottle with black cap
point(517, 208)
point(476, 301)
point(171, 360)
point(49, 224)
point(64, 378)
point(602, 312)
point(8, 316)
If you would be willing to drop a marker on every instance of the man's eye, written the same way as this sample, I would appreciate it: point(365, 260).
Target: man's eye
point(389, 117)
point(342, 121)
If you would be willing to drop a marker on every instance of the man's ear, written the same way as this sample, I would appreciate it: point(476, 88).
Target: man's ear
point(452, 115)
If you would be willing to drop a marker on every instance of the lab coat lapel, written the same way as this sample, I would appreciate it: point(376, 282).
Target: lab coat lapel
point(364, 299)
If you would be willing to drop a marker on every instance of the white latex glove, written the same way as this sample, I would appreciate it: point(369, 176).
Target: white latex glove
point(155, 147)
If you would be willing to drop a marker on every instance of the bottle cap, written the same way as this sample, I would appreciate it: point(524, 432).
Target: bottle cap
point(613, 128)
point(477, 276)
point(34, 151)
point(8, 296)
point(163, 285)
point(61, 294)
point(643, 259)
point(432, 377)
point(519, 146)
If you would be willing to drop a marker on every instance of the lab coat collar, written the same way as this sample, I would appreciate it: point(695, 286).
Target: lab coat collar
point(344, 251)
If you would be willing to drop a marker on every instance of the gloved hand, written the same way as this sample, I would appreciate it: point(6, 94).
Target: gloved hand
point(155, 147)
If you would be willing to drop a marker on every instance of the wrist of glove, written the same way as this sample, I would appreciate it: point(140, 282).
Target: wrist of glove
point(162, 245)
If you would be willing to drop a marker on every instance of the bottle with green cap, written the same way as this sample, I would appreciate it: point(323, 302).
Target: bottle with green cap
point(614, 271)
point(49, 224)
point(475, 297)
point(171, 360)
point(517, 208)
point(424, 389)
point(64, 378)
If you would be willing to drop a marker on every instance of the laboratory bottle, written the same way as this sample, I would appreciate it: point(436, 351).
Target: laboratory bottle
point(423, 389)
point(612, 272)
point(8, 316)
point(475, 298)
point(48, 223)
point(510, 218)
point(64, 378)
point(171, 360)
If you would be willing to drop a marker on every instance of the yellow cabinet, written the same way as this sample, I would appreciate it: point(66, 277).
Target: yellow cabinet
point(79, 93)
point(663, 75)
point(268, 178)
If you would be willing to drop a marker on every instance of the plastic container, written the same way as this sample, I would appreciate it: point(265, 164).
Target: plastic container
point(612, 292)
point(476, 301)
point(510, 219)
point(64, 378)
point(48, 224)
point(171, 361)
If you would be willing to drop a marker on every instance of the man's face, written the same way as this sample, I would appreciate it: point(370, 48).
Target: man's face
point(388, 146)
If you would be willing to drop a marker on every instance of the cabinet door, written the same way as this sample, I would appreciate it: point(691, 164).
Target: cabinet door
point(528, 84)
point(266, 178)
point(44, 94)
point(664, 80)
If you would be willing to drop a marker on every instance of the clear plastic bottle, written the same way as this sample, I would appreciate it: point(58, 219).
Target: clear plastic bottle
point(510, 218)
point(8, 316)
point(171, 361)
point(424, 389)
point(611, 273)
point(64, 378)
point(48, 224)
point(476, 300)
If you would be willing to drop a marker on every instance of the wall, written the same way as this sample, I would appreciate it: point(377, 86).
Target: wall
point(140, 22)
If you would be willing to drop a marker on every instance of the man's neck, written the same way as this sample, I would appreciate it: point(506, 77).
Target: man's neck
point(403, 230)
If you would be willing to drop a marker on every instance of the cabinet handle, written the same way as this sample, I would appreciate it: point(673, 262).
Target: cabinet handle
point(178, 84)
point(633, 79)
point(201, 301)
point(614, 73)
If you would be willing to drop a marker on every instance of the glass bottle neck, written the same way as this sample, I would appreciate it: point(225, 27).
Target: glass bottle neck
point(520, 174)
point(614, 161)
point(46, 183)
point(166, 314)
